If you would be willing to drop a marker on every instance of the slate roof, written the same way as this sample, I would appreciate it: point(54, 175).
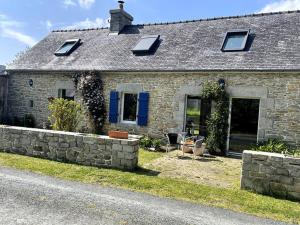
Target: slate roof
point(2, 69)
point(185, 46)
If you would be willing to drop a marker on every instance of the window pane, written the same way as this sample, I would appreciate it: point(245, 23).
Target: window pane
point(66, 47)
point(68, 94)
point(193, 111)
point(198, 112)
point(234, 41)
point(130, 107)
point(146, 43)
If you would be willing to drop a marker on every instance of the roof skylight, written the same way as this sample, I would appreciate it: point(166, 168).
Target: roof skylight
point(235, 40)
point(67, 48)
point(146, 44)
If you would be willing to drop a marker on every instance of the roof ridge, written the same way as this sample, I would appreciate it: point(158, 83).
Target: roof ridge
point(190, 21)
point(223, 17)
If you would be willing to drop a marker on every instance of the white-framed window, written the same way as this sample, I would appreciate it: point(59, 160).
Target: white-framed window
point(68, 94)
point(129, 108)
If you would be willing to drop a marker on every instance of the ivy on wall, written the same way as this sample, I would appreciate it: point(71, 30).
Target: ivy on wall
point(91, 86)
point(217, 124)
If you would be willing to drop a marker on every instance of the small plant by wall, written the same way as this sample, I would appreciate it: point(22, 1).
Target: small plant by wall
point(276, 146)
point(91, 86)
point(217, 125)
point(64, 114)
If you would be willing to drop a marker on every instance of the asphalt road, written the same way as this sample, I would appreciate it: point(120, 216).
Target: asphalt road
point(27, 198)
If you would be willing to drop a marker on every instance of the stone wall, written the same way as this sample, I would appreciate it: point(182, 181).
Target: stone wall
point(279, 96)
point(89, 150)
point(271, 174)
point(3, 97)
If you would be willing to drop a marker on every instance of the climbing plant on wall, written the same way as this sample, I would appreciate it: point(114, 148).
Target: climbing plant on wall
point(91, 86)
point(217, 124)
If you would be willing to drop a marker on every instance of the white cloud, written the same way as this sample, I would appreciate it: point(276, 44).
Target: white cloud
point(68, 3)
point(281, 5)
point(9, 29)
point(87, 23)
point(86, 4)
point(26, 39)
point(49, 25)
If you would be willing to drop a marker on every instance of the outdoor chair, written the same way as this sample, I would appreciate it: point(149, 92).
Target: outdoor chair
point(181, 143)
point(199, 148)
point(186, 148)
point(171, 141)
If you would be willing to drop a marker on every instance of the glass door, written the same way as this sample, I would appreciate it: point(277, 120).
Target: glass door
point(197, 113)
point(244, 124)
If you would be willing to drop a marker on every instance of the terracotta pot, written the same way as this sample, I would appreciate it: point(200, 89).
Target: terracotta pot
point(118, 134)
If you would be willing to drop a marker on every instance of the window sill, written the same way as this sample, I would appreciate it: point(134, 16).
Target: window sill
point(129, 122)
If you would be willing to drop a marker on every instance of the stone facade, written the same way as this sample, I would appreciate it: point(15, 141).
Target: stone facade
point(279, 96)
point(89, 150)
point(271, 174)
point(3, 96)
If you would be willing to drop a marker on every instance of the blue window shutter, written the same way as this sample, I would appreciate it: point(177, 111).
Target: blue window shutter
point(114, 107)
point(143, 109)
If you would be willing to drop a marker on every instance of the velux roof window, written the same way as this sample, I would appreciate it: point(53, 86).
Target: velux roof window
point(147, 44)
point(68, 47)
point(235, 40)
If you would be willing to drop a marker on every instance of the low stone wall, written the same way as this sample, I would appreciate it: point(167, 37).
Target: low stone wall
point(89, 150)
point(271, 174)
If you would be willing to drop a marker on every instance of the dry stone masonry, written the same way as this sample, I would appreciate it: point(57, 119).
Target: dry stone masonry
point(271, 174)
point(89, 150)
point(279, 115)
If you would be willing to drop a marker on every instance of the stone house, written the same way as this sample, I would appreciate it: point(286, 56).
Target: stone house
point(153, 74)
point(3, 92)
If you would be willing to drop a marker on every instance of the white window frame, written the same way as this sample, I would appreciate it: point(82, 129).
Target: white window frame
point(122, 109)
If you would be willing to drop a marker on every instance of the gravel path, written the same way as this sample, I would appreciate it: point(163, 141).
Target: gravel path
point(28, 198)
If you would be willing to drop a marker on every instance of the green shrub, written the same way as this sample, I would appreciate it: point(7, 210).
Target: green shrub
point(156, 143)
point(276, 146)
point(64, 114)
point(147, 142)
point(217, 124)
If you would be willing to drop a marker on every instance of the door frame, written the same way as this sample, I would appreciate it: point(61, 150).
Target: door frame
point(229, 118)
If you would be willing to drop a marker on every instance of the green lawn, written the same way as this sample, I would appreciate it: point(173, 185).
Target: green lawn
point(146, 181)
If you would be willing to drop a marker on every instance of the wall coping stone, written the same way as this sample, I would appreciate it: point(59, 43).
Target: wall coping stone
point(269, 154)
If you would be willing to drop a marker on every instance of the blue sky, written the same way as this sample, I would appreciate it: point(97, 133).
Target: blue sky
point(25, 22)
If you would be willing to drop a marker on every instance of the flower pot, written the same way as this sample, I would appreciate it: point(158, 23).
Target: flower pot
point(118, 134)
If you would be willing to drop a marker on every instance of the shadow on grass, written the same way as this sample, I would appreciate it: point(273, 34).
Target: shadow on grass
point(147, 172)
point(200, 159)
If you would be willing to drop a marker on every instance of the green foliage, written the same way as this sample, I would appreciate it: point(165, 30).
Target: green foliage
point(91, 86)
point(193, 112)
point(147, 142)
point(64, 114)
point(276, 146)
point(217, 125)
point(156, 143)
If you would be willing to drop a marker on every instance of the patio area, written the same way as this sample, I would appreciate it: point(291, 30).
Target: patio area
point(213, 171)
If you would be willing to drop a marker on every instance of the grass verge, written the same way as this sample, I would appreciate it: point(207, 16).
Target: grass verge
point(143, 181)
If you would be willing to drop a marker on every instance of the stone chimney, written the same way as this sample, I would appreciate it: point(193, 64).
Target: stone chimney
point(119, 19)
